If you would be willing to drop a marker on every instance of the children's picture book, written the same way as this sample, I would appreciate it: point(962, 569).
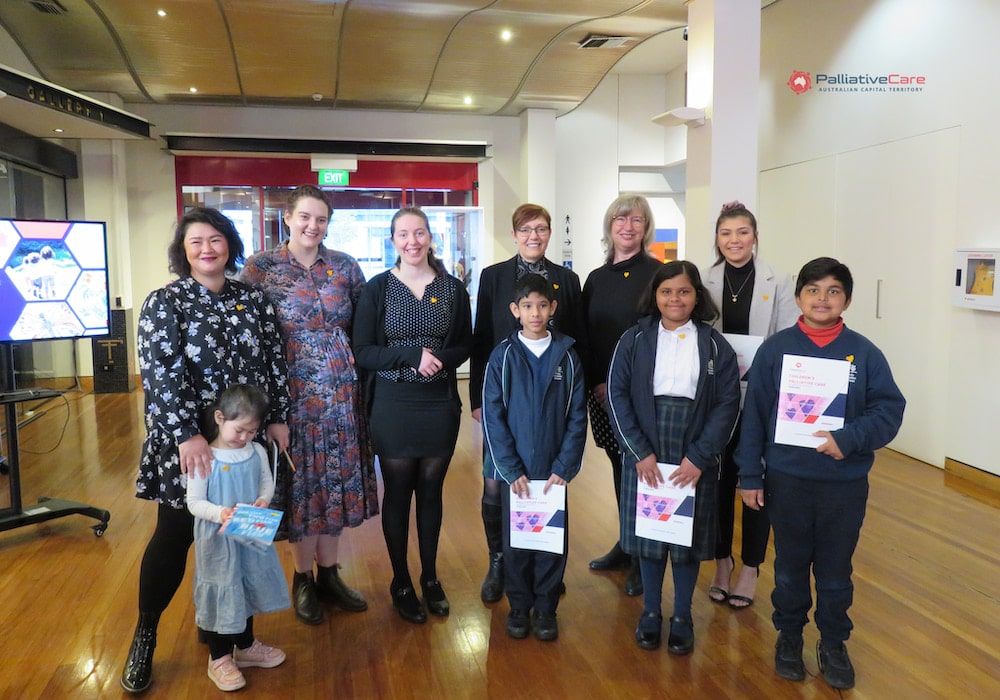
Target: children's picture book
point(812, 396)
point(253, 524)
point(538, 521)
point(666, 512)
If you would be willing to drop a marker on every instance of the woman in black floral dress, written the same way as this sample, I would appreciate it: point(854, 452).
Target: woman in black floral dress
point(197, 335)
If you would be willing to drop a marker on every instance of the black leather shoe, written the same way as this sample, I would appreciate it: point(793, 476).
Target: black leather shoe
point(331, 589)
point(633, 582)
point(305, 598)
point(546, 627)
point(137, 675)
point(788, 657)
point(835, 664)
point(615, 559)
point(518, 623)
point(434, 597)
point(681, 639)
point(649, 630)
point(492, 589)
point(408, 605)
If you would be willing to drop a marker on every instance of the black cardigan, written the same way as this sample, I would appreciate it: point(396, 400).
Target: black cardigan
point(371, 352)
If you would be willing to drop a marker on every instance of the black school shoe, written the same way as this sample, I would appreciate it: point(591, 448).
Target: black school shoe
point(435, 598)
point(649, 630)
point(408, 605)
point(835, 664)
point(788, 657)
point(546, 627)
point(681, 639)
point(518, 623)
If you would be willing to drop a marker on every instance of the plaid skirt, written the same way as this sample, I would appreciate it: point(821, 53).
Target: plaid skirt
point(673, 413)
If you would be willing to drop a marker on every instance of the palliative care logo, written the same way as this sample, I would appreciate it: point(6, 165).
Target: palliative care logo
point(803, 81)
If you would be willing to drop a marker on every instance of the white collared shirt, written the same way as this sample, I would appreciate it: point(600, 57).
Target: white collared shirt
point(675, 371)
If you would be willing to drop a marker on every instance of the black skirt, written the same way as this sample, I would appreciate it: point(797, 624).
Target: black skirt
point(411, 420)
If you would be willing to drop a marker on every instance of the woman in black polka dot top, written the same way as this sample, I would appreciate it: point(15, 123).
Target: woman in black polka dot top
point(412, 330)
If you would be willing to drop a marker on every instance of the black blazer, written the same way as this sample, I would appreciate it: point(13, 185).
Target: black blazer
point(494, 321)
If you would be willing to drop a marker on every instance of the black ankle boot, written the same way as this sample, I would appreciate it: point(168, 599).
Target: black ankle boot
point(305, 598)
point(138, 672)
point(492, 589)
point(332, 589)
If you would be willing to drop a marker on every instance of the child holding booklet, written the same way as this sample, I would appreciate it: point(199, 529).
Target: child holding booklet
point(234, 580)
point(673, 395)
point(534, 415)
point(816, 494)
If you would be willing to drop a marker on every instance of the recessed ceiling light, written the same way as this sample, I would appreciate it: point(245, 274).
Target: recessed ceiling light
point(192, 89)
point(161, 13)
point(506, 35)
point(58, 130)
point(468, 100)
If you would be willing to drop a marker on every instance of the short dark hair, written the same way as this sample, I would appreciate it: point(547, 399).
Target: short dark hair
point(704, 308)
point(236, 401)
point(533, 283)
point(818, 268)
point(176, 257)
point(529, 212)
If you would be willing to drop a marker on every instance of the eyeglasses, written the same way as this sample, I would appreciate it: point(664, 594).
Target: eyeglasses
point(635, 220)
point(540, 230)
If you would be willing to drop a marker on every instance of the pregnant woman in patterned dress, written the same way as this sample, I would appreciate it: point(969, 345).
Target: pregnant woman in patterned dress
point(413, 330)
point(314, 290)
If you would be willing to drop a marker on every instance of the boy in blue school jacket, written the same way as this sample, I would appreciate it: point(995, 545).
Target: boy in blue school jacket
point(816, 497)
point(534, 428)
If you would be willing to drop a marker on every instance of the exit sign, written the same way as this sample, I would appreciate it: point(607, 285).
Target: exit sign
point(334, 177)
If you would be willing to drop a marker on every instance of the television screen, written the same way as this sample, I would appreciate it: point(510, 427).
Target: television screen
point(55, 279)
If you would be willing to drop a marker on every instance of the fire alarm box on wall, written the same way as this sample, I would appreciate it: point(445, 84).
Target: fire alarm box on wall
point(975, 279)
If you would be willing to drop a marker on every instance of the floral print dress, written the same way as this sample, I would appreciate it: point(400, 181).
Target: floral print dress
point(333, 485)
point(193, 343)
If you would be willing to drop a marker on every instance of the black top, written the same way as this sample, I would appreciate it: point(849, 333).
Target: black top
point(494, 321)
point(611, 300)
point(737, 282)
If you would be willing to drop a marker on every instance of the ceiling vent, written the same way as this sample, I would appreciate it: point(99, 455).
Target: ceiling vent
point(48, 7)
point(603, 41)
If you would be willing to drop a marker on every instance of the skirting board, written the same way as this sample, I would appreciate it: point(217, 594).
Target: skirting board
point(972, 474)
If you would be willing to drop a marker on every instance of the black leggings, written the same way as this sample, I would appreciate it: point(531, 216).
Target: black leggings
point(163, 564)
point(221, 644)
point(404, 477)
point(756, 523)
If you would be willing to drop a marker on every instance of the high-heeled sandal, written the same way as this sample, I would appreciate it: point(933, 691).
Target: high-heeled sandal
point(743, 602)
point(718, 594)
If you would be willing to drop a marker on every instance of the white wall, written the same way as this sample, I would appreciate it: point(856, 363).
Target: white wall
point(891, 183)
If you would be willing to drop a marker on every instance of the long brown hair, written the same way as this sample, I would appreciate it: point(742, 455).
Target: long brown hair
point(432, 260)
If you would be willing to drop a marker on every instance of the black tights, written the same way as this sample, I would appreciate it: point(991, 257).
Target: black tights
point(404, 477)
point(163, 564)
point(221, 644)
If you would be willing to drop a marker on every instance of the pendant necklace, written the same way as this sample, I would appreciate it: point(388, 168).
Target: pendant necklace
point(735, 295)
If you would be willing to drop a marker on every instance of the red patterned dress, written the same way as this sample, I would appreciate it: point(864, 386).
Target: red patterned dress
point(333, 485)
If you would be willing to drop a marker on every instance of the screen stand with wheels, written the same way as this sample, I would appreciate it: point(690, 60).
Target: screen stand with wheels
point(46, 508)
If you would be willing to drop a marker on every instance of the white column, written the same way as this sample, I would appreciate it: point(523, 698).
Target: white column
point(724, 80)
point(538, 158)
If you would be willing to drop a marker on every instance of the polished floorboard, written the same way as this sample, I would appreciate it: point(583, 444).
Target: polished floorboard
point(927, 600)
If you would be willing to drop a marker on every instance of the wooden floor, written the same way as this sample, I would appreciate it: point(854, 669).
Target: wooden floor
point(926, 607)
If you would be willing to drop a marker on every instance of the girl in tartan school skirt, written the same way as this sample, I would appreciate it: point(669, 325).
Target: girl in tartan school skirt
point(673, 392)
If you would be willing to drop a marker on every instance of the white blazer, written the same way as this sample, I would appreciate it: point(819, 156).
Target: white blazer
point(773, 305)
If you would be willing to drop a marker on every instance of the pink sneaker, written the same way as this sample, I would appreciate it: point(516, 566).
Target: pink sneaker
point(259, 655)
point(224, 673)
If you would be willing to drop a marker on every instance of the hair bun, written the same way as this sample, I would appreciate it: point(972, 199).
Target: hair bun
point(732, 206)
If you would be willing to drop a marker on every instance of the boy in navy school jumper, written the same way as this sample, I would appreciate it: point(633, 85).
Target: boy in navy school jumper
point(816, 497)
point(534, 427)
